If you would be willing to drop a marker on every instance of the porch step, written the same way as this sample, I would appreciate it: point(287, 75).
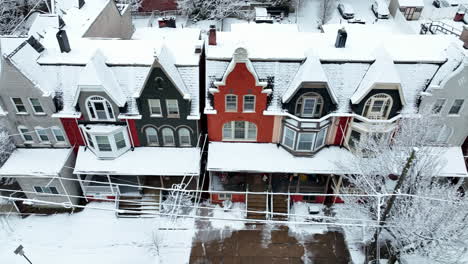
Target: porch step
point(256, 202)
point(136, 207)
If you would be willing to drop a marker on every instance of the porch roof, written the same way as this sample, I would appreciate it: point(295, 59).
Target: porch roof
point(270, 158)
point(35, 162)
point(150, 161)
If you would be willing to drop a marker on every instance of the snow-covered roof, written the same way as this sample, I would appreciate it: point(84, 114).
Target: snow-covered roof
point(264, 27)
point(41, 23)
point(98, 75)
point(382, 71)
point(141, 161)
point(411, 3)
point(310, 71)
point(35, 162)
point(190, 76)
point(454, 163)
point(271, 158)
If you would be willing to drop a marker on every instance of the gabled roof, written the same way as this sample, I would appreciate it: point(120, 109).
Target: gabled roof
point(310, 71)
point(97, 74)
point(382, 71)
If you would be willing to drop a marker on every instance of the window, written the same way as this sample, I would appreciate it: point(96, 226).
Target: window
point(90, 140)
point(155, 107)
point(378, 106)
point(249, 103)
point(25, 134)
point(456, 107)
point(172, 108)
point(184, 137)
point(438, 105)
point(159, 82)
point(440, 134)
point(289, 137)
point(309, 105)
point(99, 109)
point(231, 103)
point(51, 190)
point(224, 196)
point(36, 105)
point(151, 136)
point(321, 136)
point(58, 134)
point(42, 134)
point(168, 137)
point(103, 143)
point(306, 141)
point(19, 105)
point(120, 140)
point(240, 130)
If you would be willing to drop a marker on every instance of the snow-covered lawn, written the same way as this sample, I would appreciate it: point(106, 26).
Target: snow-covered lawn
point(96, 236)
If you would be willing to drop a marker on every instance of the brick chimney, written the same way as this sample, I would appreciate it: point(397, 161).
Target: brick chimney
point(464, 36)
point(212, 35)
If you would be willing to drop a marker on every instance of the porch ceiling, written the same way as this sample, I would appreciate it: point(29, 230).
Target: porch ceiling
point(150, 161)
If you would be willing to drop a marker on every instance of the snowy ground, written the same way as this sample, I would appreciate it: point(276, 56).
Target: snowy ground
point(96, 236)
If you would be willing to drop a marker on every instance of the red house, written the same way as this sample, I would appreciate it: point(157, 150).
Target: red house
point(161, 5)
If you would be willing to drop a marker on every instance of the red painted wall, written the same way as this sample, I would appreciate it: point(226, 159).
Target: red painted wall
point(240, 82)
point(341, 132)
point(133, 132)
point(236, 198)
point(161, 5)
point(73, 132)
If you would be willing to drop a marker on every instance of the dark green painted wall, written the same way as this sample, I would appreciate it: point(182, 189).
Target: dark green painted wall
point(328, 104)
point(396, 106)
point(168, 91)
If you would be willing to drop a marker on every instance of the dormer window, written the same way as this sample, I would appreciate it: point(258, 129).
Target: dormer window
point(99, 109)
point(378, 106)
point(159, 82)
point(309, 105)
point(107, 141)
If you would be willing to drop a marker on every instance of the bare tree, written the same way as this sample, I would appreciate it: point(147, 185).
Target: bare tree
point(134, 4)
point(13, 12)
point(325, 11)
point(417, 211)
point(209, 9)
point(6, 145)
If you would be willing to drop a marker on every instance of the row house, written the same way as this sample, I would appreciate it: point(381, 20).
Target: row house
point(283, 113)
point(125, 110)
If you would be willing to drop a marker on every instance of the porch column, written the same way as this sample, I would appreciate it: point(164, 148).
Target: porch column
point(82, 186)
point(110, 184)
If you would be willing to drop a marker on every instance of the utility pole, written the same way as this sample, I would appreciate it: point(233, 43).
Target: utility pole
point(390, 202)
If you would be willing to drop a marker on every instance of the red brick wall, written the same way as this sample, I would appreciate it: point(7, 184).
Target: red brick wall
point(161, 5)
point(240, 82)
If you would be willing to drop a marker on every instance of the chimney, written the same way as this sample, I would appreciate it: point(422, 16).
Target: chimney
point(464, 36)
point(212, 35)
point(63, 41)
point(81, 3)
point(341, 38)
point(35, 44)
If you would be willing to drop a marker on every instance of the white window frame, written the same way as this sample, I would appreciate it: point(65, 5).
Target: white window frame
point(312, 145)
point(247, 125)
point(253, 104)
point(453, 105)
point(283, 140)
point(369, 105)
point(28, 133)
point(224, 196)
point(150, 105)
point(55, 128)
point(444, 101)
point(147, 138)
point(46, 190)
point(226, 109)
point(164, 139)
point(324, 142)
point(168, 101)
point(16, 107)
point(317, 108)
point(180, 136)
point(40, 105)
point(115, 151)
point(90, 102)
point(39, 129)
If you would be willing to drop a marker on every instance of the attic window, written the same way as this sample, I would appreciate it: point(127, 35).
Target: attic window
point(99, 109)
point(378, 106)
point(309, 105)
point(159, 82)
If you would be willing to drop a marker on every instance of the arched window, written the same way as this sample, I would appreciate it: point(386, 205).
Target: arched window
point(151, 136)
point(378, 106)
point(184, 137)
point(99, 109)
point(168, 137)
point(309, 105)
point(239, 131)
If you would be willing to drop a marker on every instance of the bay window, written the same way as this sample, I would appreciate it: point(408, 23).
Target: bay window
point(302, 141)
point(240, 131)
point(107, 141)
point(289, 137)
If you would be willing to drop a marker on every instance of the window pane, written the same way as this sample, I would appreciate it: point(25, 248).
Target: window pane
point(168, 137)
point(53, 190)
point(231, 103)
point(109, 110)
point(38, 189)
point(19, 105)
point(59, 136)
point(377, 106)
point(288, 138)
point(321, 138)
point(26, 135)
point(457, 105)
point(239, 129)
point(184, 136)
point(120, 140)
point(36, 105)
point(309, 105)
point(42, 133)
point(172, 107)
point(227, 130)
point(354, 138)
point(251, 131)
point(438, 105)
point(90, 140)
point(249, 103)
point(91, 110)
point(155, 106)
point(306, 141)
point(103, 143)
point(151, 136)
